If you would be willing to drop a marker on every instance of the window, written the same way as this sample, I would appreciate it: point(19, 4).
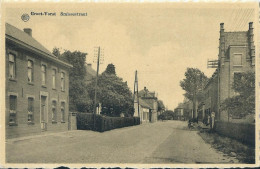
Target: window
point(11, 66)
point(43, 74)
point(237, 59)
point(62, 111)
point(30, 71)
point(54, 78)
point(62, 81)
point(30, 110)
point(54, 111)
point(13, 108)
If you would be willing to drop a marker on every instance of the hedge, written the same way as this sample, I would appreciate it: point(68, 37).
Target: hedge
point(85, 121)
point(240, 131)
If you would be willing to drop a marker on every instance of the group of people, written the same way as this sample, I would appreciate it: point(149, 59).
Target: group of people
point(209, 120)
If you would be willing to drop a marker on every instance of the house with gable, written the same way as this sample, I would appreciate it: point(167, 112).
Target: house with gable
point(148, 106)
point(37, 86)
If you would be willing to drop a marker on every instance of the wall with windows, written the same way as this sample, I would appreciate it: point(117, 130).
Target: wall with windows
point(27, 76)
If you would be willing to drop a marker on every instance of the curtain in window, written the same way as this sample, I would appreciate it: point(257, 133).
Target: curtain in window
point(30, 70)
point(53, 78)
point(11, 66)
point(62, 81)
point(43, 74)
point(30, 109)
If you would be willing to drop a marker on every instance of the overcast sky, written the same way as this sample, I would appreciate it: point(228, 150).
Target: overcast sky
point(159, 41)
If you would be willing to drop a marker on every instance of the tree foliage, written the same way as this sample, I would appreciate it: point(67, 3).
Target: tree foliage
point(113, 94)
point(161, 106)
point(110, 69)
point(78, 96)
point(243, 103)
point(167, 115)
point(193, 83)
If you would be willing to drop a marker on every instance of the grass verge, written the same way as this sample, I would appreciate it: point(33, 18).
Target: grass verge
point(231, 147)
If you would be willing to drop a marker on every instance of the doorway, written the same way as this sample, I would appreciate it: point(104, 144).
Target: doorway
point(44, 112)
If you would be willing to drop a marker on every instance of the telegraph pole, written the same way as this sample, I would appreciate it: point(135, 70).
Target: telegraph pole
point(216, 64)
point(95, 99)
point(136, 98)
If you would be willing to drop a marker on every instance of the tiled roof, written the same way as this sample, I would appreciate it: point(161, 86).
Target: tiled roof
point(143, 93)
point(144, 104)
point(25, 38)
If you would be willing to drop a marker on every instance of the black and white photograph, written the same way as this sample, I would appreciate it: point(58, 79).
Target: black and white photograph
point(129, 84)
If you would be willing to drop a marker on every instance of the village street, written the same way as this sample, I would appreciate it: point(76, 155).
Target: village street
point(160, 142)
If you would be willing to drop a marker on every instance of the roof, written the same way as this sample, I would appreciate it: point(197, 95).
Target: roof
point(146, 93)
point(14, 34)
point(90, 73)
point(144, 104)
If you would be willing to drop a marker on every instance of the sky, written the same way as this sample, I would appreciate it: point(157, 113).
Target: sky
point(160, 41)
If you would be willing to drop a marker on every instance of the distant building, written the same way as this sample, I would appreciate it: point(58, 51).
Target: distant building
point(37, 86)
point(148, 106)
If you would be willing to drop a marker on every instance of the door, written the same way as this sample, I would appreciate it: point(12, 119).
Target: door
point(43, 113)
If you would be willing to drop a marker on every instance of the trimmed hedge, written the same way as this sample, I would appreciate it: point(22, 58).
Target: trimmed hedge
point(242, 132)
point(85, 121)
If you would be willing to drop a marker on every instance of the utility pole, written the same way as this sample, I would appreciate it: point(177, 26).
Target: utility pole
point(216, 64)
point(136, 98)
point(95, 99)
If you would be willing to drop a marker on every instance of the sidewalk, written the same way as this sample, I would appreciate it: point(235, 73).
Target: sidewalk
point(43, 134)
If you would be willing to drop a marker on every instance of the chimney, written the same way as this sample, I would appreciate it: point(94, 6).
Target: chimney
point(250, 25)
point(28, 31)
point(251, 43)
point(221, 26)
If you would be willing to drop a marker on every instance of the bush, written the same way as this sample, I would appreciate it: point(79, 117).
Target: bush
point(85, 121)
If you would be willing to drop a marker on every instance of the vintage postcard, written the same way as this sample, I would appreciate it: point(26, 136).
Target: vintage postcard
point(141, 84)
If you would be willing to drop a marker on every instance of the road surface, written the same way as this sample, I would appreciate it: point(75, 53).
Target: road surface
point(162, 142)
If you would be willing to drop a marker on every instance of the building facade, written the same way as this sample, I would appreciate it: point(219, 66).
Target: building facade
point(236, 55)
point(37, 86)
point(148, 106)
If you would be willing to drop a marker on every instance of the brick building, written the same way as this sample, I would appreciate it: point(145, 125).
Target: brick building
point(236, 55)
point(37, 86)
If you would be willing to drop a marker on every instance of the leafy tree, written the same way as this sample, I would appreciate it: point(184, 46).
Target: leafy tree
point(110, 69)
point(161, 106)
point(167, 115)
point(243, 103)
point(56, 52)
point(113, 94)
point(193, 84)
point(78, 95)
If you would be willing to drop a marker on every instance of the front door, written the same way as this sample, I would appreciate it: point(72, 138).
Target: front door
point(43, 113)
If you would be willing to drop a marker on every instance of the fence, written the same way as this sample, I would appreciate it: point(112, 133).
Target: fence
point(85, 121)
point(240, 131)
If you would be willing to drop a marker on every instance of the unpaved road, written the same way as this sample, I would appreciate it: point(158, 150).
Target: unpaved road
point(161, 142)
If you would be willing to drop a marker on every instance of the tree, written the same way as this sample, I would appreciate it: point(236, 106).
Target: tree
point(113, 94)
point(161, 106)
point(110, 69)
point(193, 83)
point(78, 95)
point(243, 103)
